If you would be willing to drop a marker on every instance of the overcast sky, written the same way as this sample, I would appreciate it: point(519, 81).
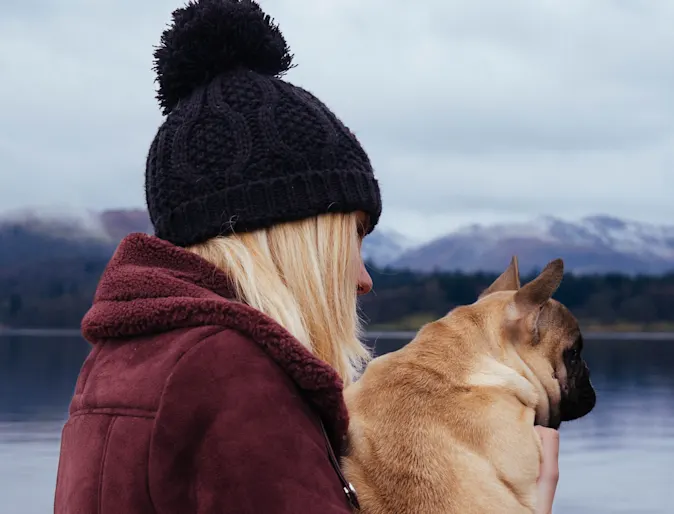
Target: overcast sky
point(480, 110)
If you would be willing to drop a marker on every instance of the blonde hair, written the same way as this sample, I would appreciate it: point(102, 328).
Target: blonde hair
point(302, 275)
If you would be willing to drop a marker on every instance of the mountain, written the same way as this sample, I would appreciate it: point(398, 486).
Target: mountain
point(383, 247)
point(117, 224)
point(29, 237)
point(595, 244)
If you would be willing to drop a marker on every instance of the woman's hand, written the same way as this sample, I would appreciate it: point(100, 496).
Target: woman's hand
point(549, 475)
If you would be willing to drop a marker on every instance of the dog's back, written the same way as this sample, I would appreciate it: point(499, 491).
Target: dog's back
point(426, 421)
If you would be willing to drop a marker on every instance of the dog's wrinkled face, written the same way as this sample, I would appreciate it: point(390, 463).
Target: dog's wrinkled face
point(578, 397)
point(558, 332)
point(548, 338)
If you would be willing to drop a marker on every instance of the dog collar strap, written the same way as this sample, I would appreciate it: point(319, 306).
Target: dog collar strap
point(347, 487)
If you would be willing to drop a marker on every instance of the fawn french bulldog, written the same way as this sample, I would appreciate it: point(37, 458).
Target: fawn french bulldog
point(446, 424)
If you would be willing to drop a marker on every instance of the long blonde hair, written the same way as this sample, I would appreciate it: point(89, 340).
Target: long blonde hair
point(302, 275)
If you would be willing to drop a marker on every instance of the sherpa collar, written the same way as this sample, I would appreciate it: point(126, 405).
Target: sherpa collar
point(151, 286)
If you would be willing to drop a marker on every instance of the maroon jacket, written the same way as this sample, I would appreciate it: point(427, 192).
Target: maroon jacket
point(191, 402)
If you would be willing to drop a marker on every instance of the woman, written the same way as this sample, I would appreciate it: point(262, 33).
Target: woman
point(221, 345)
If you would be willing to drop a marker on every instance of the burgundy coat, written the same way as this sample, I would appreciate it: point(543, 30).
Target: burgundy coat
point(190, 402)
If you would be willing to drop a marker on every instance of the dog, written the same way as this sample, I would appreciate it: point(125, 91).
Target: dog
point(446, 424)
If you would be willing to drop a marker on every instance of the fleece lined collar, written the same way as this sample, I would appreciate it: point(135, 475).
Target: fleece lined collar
point(151, 286)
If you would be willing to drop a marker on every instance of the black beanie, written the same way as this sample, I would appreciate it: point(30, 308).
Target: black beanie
point(240, 149)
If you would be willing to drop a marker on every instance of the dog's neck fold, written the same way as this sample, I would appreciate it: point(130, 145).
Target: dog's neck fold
point(492, 359)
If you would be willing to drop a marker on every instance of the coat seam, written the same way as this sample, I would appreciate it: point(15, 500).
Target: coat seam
point(103, 461)
point(115, 412)
point(218, 330)
point(60, 465)
point(99, 349)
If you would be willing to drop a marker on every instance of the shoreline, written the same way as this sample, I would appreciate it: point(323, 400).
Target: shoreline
point(587, 335)
point(40, 332)
point(602, 335)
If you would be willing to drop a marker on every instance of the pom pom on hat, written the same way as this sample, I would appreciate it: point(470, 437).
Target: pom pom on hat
point(211, 37)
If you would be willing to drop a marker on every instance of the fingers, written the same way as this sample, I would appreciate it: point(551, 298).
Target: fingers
point(549, 474)
point(550, 439)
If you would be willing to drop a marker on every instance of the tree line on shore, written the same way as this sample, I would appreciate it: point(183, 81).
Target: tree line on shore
point(57, 294)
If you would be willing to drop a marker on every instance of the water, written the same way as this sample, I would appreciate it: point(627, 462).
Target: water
point(619, 459)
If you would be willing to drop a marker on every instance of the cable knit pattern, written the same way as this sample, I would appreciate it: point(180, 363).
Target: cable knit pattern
point(247, 150)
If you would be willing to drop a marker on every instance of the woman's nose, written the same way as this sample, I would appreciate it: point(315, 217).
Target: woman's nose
point(364, 281)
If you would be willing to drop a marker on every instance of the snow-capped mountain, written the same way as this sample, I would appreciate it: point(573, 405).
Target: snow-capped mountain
point(595, 244)
point(384, 246)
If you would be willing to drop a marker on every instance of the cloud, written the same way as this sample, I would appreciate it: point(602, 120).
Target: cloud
point(470, 110)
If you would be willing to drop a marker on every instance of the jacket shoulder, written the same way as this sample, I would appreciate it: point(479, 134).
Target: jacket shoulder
point(128, 376)
point(227, 373)
point(226, 352)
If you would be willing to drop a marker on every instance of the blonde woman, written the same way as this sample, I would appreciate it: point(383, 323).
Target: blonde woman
point(222, 344)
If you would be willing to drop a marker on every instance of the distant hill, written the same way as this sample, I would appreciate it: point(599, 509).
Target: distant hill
point(383, 247)
point(597, 244)
point(117, 224)
point(50, 266)
point(29, 237)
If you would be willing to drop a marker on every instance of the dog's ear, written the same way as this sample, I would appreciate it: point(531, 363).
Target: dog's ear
point(534, 294)
point(508, 281)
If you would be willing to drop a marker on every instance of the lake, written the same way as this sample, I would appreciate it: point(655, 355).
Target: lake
point(619, 459)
